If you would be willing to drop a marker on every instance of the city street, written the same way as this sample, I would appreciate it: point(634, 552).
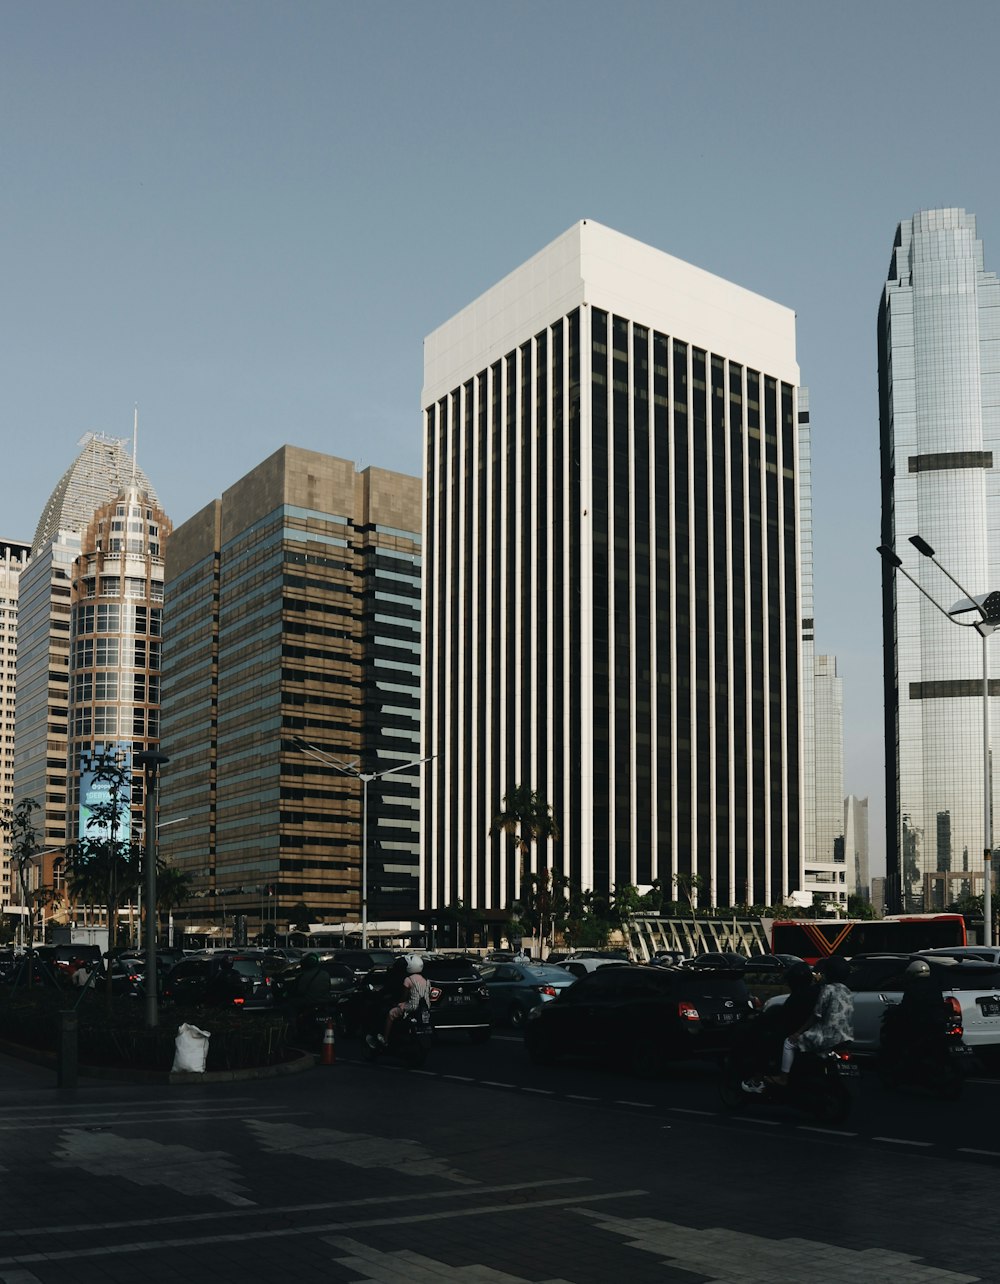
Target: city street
point(481, 1168)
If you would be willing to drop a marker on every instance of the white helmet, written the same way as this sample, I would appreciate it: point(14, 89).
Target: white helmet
point(414, 964)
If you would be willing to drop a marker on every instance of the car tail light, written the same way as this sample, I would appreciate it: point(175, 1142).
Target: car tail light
point(687, 1011)
point(435, 994)
point(550, 990)
point(134, 976)
point(953, 1017)
point(238, 1002)
point(841, 1054)
point(755, 1002)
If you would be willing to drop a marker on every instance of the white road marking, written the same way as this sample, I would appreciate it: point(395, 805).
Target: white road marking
point(903, 1141)
point(150, 1163)
point(683, 1110)
point(361, 1149)
point(542, 1092)
point(828, 1132)
point(575, 1096)
point(290, 1232)
point(644, 1105)
point(970, 1150)
point(492, 1083)
point(752, 1119)
point(377, 1267)
point(459, 1078)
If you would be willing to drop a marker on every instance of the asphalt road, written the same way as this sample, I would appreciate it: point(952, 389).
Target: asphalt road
point(481, 1169)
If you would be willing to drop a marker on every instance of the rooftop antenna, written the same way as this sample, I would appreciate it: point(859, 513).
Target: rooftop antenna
point(135, 440)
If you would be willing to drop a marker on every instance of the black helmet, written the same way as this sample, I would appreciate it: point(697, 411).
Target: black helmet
point(834, 968)
point(311, 960)
point(798, 976)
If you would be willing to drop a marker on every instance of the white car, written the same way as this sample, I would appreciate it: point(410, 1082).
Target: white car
point(972, 986)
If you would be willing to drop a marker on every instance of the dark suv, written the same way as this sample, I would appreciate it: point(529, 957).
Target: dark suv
point(641, 1016)
point(459, 997)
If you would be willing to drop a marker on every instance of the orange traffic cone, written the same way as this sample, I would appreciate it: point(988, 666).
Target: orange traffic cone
point(328, 1044)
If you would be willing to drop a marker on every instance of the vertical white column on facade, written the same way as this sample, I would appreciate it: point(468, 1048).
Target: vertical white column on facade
point(748, 727)
point(766, 555)
point(466, 623)
point(447, 577)
point(731, 572)
point(528, 527)
point(427, 781)
point(584, 697)
point(692, 574)
point(653, 446)
point(783, 567)
point(713, 834)
point(570, 755)
point(672, 544)
point(499, 646)
point(632, 589)
point(430, 678)
point(611, 590)
point(548, 784)
point(486, 656)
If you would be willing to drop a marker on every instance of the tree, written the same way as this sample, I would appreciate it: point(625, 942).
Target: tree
point(22, 836)
point(173, 887)
point(860, 907)
point(690, 885)
point(101, 867)
point(542, 907)
point(527, 818)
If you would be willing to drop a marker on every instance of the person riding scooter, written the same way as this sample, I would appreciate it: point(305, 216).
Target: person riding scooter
point(830, 1024)
point(917, 1024)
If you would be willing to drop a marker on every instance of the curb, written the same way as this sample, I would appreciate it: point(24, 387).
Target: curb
point(304, 1061)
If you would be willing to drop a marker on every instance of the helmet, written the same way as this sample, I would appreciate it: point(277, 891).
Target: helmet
point(414, 964)
point(799, 976)
point(834, 968)
point(918, 969)
point(311, 960)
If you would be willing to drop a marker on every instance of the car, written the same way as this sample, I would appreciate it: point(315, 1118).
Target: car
point(245, 979)
point(459, 997)
point(971, 987)
point(984, 953)
point(642, 1016)
point(362, 961)
point(577, 965)
point(343, 1003)
point(516, 988)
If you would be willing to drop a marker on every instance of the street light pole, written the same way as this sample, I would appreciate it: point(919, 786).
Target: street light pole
point(987, 607)
point(366, 777)
point(151, 760)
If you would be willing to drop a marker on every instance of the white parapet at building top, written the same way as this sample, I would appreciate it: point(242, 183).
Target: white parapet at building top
point(593, 265)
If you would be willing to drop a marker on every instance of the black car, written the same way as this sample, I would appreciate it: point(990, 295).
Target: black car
point(360, 961)
point(243, 979)
point(459, 997)
point(343, 1002)
point(641, 1016)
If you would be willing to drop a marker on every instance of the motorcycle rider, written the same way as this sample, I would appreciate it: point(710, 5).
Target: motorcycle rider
point(917, 1024)
point(311, 988)
point(382, 998)
point(762, 1040)
point(830, 1024)
point(417, 990)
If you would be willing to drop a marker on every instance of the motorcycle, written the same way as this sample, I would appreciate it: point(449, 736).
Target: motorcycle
point(817, 1084)
point(933, 1060)
point(409, 1039)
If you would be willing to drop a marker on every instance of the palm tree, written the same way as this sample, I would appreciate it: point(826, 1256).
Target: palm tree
point(173, 888)
point(527, 818)
point(22, 836)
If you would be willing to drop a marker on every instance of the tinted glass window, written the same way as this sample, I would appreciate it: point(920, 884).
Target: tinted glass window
point(973, 978)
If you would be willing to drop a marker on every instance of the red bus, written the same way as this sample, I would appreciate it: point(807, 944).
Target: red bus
point(816, 938)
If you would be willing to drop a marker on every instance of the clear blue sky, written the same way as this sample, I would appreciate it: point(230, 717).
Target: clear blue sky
point(245, 217)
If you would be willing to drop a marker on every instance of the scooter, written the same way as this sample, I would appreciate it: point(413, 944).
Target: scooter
point(409, 1039)
point(817, 1084)
point(935, 1062)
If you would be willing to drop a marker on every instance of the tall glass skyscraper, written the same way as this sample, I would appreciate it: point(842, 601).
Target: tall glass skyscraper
point(939, 411)
point(611, 588)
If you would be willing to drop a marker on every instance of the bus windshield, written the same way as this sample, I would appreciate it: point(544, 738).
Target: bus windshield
point(813, 939)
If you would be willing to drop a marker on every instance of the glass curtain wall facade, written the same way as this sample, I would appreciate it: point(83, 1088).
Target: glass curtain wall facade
point(294, 609)
point(939, 374)
point(611, 584)
point(116, 641)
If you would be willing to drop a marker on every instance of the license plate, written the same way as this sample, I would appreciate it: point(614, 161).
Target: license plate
point(724, 1018)
point(848, 1069)
point(990, 1007)
point(461, 998)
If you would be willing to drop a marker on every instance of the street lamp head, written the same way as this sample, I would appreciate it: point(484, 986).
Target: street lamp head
point(921, 546)
point(888, 555)
point(151, 758)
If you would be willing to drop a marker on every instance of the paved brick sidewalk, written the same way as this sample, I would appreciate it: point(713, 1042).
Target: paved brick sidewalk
point(374, 1175)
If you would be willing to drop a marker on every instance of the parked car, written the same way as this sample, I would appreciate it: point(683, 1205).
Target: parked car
point(641, 1015)
point(362, 961)
point(245, 979)
point(516, 988)
point(984, 953)
point(580, 965)
point(969, 986)
point(459, 997)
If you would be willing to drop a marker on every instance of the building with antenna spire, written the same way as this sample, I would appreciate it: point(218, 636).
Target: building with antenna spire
point(94, 576)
